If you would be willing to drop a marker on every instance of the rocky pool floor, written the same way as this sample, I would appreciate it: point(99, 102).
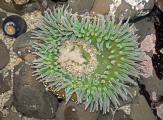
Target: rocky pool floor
point(16, 74)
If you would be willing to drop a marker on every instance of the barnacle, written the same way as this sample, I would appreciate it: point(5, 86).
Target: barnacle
point(87, 56)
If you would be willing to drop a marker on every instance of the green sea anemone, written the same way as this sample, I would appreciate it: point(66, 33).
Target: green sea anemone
point(88, 56)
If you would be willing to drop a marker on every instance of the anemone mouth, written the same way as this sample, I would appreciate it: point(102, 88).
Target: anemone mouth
point(77, 57)
point(91, 58)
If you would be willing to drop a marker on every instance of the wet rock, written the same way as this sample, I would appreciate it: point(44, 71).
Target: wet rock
point(4, 55)
point(30, 97)
point(121, 115)
point(23, 47)
point(2, 16)
point(81, 6)
point(101, 7)
point(107, 116)
point(72, 111)
point(125, 8)
point(11, 7)
point(9, 103)
point(134, 90)
point(140, 110)
point(12, 116)
point(1, 115)
point(159, 4)
point(158, 57)
point(160, 111)
point(45, 4)
point(20, 2)
point(144, 27)
point(5, 81)
point(153, 84)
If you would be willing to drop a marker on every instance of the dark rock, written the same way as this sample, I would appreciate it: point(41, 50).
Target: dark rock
point(144, 27)
point(30, 97)
point(2, 16)
point(160, 111)
point(107, 116)
point(23, 47)
point(159, 4)
point(125, 8)
point(72, 111)
point(21, 2)
point(11, 7)
point(12, 116)
point(158, 57)
point(101, 7)
point(81, 6)
point(8, 104)
point(50, 4)
point(1, 115)
point(118, 115)
point(5, 82)
point(121, 115)
point(153, 84)
point(140, 110)
point(4, 55)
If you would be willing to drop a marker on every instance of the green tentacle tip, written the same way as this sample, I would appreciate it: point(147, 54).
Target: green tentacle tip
point(85, 57)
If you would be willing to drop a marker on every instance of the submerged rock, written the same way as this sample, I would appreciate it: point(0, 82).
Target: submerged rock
point(13, 8)
point(20, 2)
point(12, 116)
point(107, 116)
point(23, 47)
point(160, 111)
point(4, 55)
point(30, 97)
point(2, 16)
point(5, 81)
point(123, 8)
point(72, 111)
point(159, 4)
point(81, 6)
point(140, 110)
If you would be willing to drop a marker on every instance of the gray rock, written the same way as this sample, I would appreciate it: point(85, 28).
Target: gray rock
point(4, 55)
point(140, 110)
point(159, 109)
point(12, 116)
point(72, 111)
point(121, 115)
point(153, 85)
point(1, 115)
point(44, 4)
point(11, 7)
point(159, 4)
point(5, 81)
point(30, 97)
point(107, 116)
point(144, 27)
point(125, 8)
point(81, 6)
point(2, 16)
point(23, 47)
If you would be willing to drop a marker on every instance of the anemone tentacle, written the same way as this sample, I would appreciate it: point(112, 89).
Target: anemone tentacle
point(117, 56)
